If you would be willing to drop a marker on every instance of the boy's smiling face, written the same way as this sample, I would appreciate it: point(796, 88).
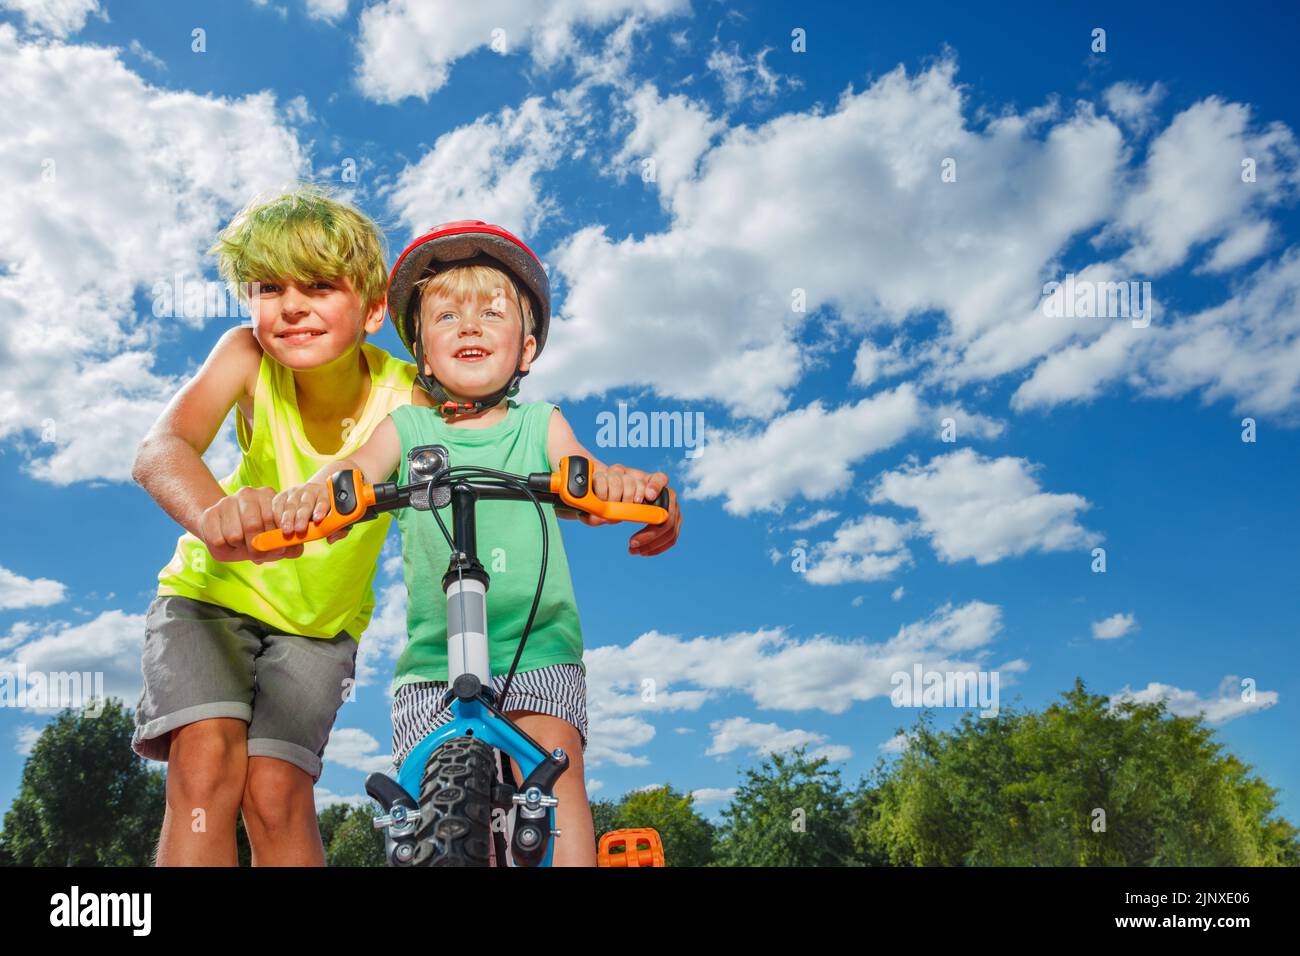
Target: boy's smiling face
point(305, 325)
point(471, 344)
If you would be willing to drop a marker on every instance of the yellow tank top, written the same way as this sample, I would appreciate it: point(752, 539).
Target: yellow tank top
point(329, 588)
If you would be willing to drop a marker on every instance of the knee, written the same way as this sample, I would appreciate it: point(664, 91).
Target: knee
point(206, 763)
point(276, 796)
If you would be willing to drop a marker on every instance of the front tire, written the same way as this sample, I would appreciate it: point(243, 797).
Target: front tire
point(456, 805)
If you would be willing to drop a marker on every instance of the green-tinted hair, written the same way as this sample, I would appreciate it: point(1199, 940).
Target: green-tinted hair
point(304, 235)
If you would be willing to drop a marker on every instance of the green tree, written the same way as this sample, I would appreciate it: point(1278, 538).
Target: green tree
point(356, 841)
point(243, 849)
point(329, 820)
point(604, 817)
point(85, 799)
point(791, 811)
point(1083, 783)
point(686, 836)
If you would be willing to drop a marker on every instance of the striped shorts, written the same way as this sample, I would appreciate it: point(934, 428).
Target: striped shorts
point(559, 690)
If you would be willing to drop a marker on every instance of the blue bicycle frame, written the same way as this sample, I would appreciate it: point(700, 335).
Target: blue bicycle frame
point(472, 718)
point(474, 712)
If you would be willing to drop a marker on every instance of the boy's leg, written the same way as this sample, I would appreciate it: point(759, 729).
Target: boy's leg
point(301, 683)
point(576, 845)
point(205, 783)
point(280, 814)
point(193, 713)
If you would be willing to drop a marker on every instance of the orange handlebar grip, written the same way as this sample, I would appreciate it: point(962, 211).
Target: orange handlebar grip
point(350, 496)
point(572, 485)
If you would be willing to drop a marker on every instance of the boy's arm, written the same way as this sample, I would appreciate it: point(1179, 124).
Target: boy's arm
point(617, 483)
point(377, 459)
point(169, 463)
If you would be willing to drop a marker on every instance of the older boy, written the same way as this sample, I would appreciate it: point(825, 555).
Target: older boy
point(247, 660)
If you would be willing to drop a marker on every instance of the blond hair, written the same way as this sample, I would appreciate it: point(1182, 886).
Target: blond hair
point(459, 282)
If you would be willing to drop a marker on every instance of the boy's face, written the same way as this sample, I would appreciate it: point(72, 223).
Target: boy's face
point(471, 344)
point(308, 325)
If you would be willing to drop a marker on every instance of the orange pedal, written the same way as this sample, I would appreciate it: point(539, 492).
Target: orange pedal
point(640, 847)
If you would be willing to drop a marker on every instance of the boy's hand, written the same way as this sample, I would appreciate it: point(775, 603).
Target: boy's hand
point(618, 483)
point(296, 508)
point(229, 526)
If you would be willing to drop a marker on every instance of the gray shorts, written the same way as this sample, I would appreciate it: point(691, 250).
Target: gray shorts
point(559, 690)
point(202, 661)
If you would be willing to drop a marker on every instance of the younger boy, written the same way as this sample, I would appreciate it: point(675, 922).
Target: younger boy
point(472, 304)
point(247, 660)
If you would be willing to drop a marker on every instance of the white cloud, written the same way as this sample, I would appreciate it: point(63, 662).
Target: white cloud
point(354, 748)
point(56, 17)
point(872, 362)
point(820, 516)
point(896, 744)
point(975, 252)
point(807, 451)
point(755, 222)
point(744, 79)
point(1134, 106)
point(1117, 625)
point(712, 795)
point(17, 591)
point(330, 10)
point(327, 798)
point(1245, 349)
point(1078, 372)
point(897, 593)
point(383, 640)
point(983, 508)
point(774, 670)
point(610, 739)
point(26, 736)
point(486, 170)
point(78, 246)
point(950, 630)
point(407, 47)
point(674, 131)
point(741, 733)
point(1191, 191)
point(869, 548)
point(107, 648)
point(142, 52)
point(1228, 704)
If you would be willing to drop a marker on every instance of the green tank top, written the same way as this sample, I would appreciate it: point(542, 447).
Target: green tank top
point(329, 588)
point(509, 540)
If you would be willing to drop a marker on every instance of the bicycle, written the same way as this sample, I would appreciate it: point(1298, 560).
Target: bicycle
point(439, 811)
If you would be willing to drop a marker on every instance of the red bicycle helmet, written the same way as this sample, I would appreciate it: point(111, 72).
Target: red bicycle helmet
point(465, 242)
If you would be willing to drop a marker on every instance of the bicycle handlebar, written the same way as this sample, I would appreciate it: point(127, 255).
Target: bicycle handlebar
point(353, 500)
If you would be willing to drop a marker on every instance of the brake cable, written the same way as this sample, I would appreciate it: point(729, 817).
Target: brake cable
point(504, 479)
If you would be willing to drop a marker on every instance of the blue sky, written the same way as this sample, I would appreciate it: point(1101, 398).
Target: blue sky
point(774, 170)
